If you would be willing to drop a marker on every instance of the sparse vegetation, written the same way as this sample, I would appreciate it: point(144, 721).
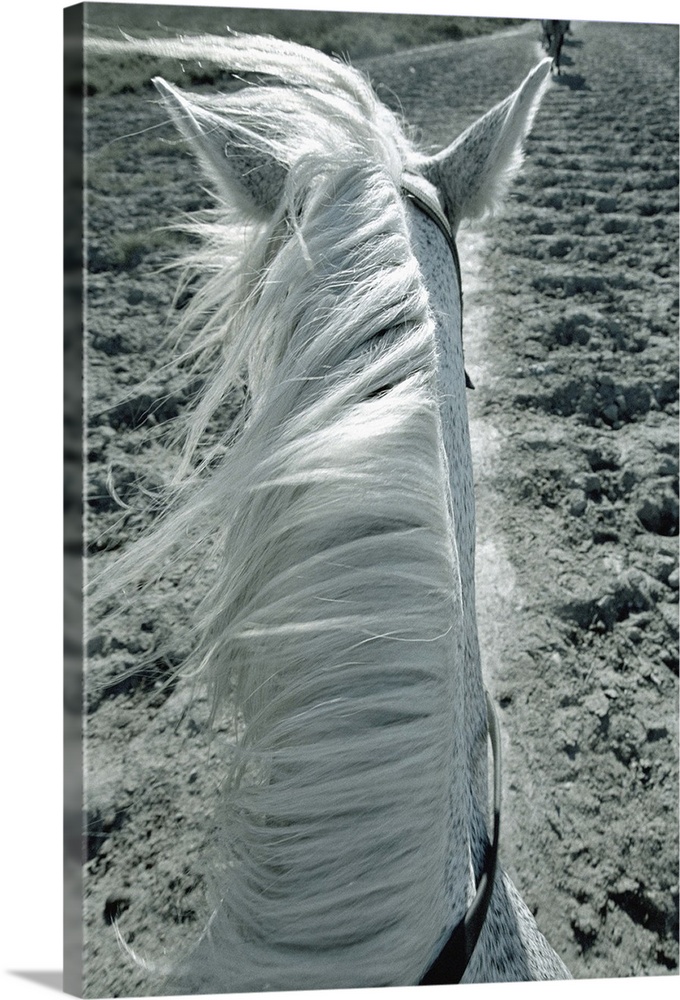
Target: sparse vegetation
point(349, 35)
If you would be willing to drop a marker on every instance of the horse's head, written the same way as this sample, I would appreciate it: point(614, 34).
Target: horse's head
point(339, 620)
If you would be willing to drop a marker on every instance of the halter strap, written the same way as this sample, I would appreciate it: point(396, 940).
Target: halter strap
point(418, 191)
point(450, 964)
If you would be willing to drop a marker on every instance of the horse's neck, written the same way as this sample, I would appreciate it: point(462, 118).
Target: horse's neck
point(438, 270)
point(511, 947)
point(439, 275)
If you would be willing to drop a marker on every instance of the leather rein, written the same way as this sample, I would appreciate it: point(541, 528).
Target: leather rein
point(450, 964)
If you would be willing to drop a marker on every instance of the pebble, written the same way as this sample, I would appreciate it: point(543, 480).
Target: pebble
point(628, 480)
point(592, 483)
point(585, 923)
point(597, 703)
point(627, 886)
point(578, 505)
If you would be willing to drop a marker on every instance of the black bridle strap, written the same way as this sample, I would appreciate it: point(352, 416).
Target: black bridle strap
point(412, 187)
point(450, 964)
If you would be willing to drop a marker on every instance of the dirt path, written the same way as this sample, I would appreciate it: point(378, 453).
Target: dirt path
point(583, 403)
point(571, 330)
point(571, 334)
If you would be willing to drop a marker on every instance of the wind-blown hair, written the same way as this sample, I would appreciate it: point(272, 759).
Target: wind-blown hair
point(331, 616)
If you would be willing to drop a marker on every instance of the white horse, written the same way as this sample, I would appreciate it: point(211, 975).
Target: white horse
point(339, 620)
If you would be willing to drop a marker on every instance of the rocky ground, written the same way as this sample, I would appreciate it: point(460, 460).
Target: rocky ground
point(571, 324)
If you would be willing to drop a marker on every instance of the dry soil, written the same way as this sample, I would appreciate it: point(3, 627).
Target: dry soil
point(571, 323)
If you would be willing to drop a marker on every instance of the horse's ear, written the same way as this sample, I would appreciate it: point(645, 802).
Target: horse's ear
point(236, 159)
point(474, 171)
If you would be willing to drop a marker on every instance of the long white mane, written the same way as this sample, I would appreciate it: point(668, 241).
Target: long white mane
point(332, 613)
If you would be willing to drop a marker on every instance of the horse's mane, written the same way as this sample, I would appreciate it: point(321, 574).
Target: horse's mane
point(331, 616)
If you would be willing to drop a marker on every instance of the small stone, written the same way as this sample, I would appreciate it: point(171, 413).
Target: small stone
point(626, 886)
point(592, 483)
point(578, 505)
point(628, 480)
point(673, 579)
point(597, 703)
point(585, 925)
